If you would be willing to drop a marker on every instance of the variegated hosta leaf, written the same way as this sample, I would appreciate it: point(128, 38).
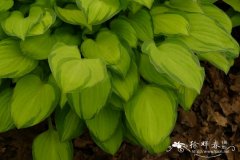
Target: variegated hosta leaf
point(125, 87)
point(5, 5)
point(168, 58)
point(69, 71)
point(30, 46)
point(234, 3)
point(48, 18)
point(151, 115)
point(47, 146)
point(134, 7)
point(108, 48)
point(111, 145)
point(72, 15)
point(67, 35)
point(38, 21)
point(186, 97)
point(116, 102)
point(99, 11)
point(219, 15)
point(207, 36)
point(104, 124)
point(6, 122)
point(86, 107)
point(147, 3)
point(187, 5)
point(142, 23)
point(33, 101)
point(165, 23)
point(68, 123)
point(151, 74)
point(13, 63)
point(219, 60)
point(162, 147)
point(123, 29)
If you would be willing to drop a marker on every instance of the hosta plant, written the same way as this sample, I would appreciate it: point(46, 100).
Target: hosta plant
point(118, 68)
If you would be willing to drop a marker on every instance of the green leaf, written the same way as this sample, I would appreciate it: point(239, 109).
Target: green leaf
point(13, 63)
point(147, 3)
point(48, 18)
point(207, 36)
point(108, 48)
point(99, 11)
point(111, 145)
point(151, 74)
point(151, 115)
point(33, 101)
point(162, 147)
point(104, 124)
point(168, 58)
point(17, 25)
point(69, 71)
point(234, 4)
point(72, 15)
point(116, 102)
point(166, 24)
point(219, 60)
point(125, 87)
point(187, 5)
point(67, 35)
point(186, 97)
point(30, 46)
point(5, 5)
point(142, 23)
point(6, 122)
point(86, 107)
point(235, 20)
point(68, 123)
point(123, 29)
point(219, 15)
point(47, 146)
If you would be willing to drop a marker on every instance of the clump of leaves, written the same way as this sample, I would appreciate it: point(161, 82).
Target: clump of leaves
point(116, 67)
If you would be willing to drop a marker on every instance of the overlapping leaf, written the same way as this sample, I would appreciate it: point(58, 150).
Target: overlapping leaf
point(220, 16)
point(5, 5)
point(168, 58)
point(147, 3)
point(35, 99)
point(13, 63)
point(108, 48)
point(6, 122)
point(68, 124)
point(30, 46)
point(38, 22)
point(125, 87)
point(73, 15)
point(98, 11)
point(125, 31)
point(142, 23)
point(151, 115)
point(104, 124)
point(47, 146)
